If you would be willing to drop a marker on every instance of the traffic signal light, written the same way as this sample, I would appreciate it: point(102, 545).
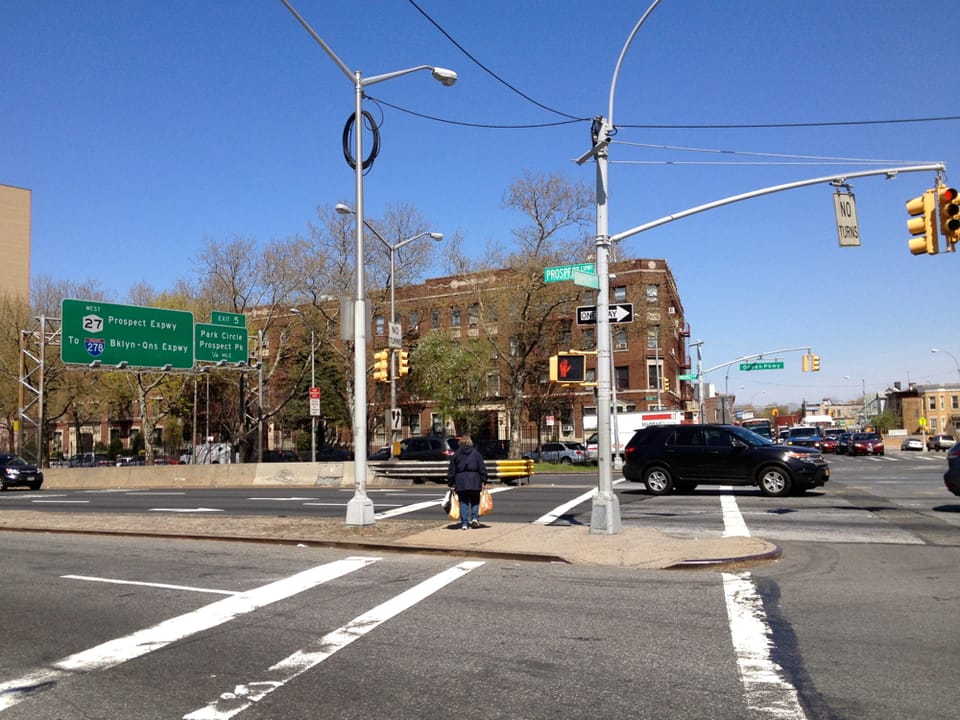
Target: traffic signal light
point(666, 384)
point(403, 363)
point(568, 368)
point(806, 362)
point(948, 204)
point(923, 224)
point(815, 363)
point(381, 366)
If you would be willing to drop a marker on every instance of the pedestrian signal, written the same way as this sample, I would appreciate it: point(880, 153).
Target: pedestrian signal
point(568, 368)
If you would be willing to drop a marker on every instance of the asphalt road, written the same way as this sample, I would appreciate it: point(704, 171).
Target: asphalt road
point(857, 618)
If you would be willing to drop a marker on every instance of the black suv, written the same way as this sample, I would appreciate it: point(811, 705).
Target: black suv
point(14, 470)
point(668, 458)
point(428, 448)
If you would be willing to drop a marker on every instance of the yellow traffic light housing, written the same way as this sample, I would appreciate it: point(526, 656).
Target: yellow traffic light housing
point(923, 224)
point(403, 363)
point(806, 362)
point(666, 384)
point(381, 366)
point(815, 363)
point(948, 205)
point(568, 368)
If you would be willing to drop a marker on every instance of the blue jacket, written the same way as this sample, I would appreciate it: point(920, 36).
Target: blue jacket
point(467, 471)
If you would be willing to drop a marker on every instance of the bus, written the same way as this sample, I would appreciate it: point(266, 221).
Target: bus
point(761, 426)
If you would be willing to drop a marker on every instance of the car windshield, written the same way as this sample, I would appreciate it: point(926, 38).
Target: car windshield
point(749, 437)
point(866, 436)
point(802, 432)
point(12, 460)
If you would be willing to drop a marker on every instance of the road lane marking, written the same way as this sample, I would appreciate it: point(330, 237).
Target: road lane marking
point(562, 510)
point(768, 693)
point(62, 502)
point(244, 695)
point(186, 510)
point(163, 586)
point(404, 509)
point(114, 652)
point(733, 522)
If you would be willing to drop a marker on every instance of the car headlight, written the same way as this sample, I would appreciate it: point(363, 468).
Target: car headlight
point(801, 456)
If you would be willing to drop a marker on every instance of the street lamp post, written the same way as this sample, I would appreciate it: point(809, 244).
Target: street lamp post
point(360, 507)
point(392, 248)
point(605, 512)
point(946, 352)
point(313, 381)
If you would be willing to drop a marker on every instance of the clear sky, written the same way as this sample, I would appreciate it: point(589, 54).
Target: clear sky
point(143, 128)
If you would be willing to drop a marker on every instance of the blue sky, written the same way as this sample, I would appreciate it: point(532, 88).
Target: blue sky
point(143, 128)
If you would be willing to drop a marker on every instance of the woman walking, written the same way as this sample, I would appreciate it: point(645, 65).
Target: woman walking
point(467, 474)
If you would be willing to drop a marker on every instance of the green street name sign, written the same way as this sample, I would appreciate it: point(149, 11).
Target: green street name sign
point(770, 365)
point(216, 343)
point(114, 334)
point(687, 377)
point(565, 272)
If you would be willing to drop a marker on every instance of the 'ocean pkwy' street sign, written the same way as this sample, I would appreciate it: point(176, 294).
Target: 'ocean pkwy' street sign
point(767, 365)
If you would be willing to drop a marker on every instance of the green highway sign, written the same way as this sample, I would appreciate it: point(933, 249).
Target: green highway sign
point(766, 365)
point(216, 343)
point(687, 377)
point(228, 319)
point(565, 272)
point(111, 334)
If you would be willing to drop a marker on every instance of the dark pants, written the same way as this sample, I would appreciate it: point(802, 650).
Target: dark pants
point(469, 506)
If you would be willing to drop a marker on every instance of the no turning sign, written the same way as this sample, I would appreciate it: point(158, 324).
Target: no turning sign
point(848, 231)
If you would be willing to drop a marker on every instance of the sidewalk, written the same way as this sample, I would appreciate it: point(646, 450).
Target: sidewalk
point(632, 547)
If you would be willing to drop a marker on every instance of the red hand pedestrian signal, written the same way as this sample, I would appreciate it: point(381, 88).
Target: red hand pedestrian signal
point(568, 368)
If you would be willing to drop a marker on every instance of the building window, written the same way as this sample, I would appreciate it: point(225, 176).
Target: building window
point(653, 294)
point(653, 374)
point(566, 337)
point(588, 339)
point(620, 294)
point(473, 315)
point(620, 339)
point(932, 404)
point(455, 317)
point(653, 337)
point(413, 422)
point(379, 323)
point(493, 384)
point(955, 402)
point(622, 377)
point(413, 320)
point(435, 318)
point(590, 375)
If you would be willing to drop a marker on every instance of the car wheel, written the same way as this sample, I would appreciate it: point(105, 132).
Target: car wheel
point(658, 481)
point(564, 461)
point(774, 482)
point(35, 486)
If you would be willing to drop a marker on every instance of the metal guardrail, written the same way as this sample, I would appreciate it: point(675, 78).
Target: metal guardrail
point(506, 471)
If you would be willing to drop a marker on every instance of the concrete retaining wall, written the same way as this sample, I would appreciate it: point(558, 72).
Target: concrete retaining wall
point(336, 474)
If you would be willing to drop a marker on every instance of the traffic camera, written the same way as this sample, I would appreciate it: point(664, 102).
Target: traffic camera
point(923, 224)
point(381, 366)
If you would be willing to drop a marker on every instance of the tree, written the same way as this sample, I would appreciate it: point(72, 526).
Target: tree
point(453, 375)
point(524, 320)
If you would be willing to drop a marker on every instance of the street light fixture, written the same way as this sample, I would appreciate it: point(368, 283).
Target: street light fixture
point(392, 248)
point(360, 507)
point(947, 352)
point(313, 380)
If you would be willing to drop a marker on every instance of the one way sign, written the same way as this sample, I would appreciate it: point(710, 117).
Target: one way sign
point(621, 313)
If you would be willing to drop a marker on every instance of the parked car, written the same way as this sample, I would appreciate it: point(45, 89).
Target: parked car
point(866, 444)
point(668, 458)
point(14, 470)
point(804, 437)
point(89, 459)
point(429, 447)
point(381, 454)
point(940, 442)
point(952, 477)
point(912, 444)
point(331, 453)
point(563, 453)
point(494, 449)
point(271, 456)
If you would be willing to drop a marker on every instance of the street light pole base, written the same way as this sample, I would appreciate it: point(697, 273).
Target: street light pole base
point(360, 511)
point(605, 517)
